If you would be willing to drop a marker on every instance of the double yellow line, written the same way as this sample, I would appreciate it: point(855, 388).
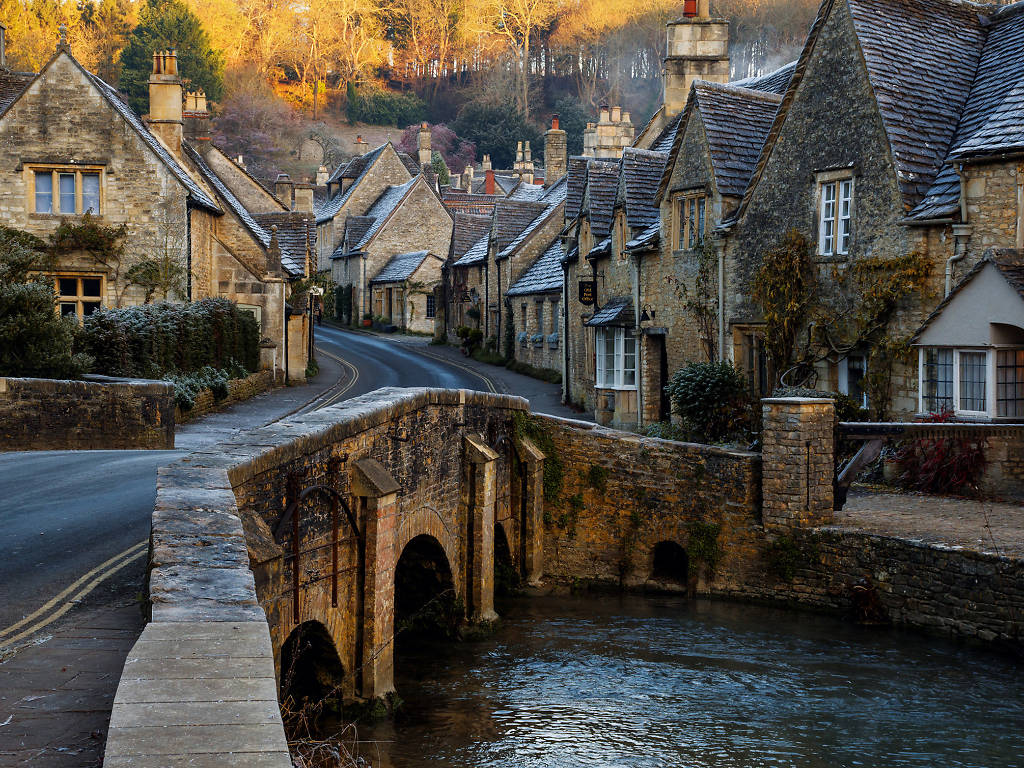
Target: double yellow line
point(65, 600)
point(341, 392)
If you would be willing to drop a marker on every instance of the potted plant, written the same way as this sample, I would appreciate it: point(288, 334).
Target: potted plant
point(367, 320)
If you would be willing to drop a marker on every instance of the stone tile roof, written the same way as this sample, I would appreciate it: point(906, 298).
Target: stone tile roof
point(1009, 262)
point(602, 186)
point(11, 86)
point(527, 191)
point(511, 217)
point(296, 233)
point(773, 82)
point(617, 311)
point(410, 163)
point(736, 123)
point(647, 239)
point(467, 230)
point(576, 179)
point(355, 228)
point(477, 253)
point(467, 202)
point(330, 208)
point(667, 137)
point(400, 268)
point(552, 198)
point(384, 206)
point(641, 176)
point(921, 57)
point(543, 276)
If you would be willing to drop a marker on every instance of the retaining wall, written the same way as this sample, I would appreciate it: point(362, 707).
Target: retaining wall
point(98, 413)
point(238, 390)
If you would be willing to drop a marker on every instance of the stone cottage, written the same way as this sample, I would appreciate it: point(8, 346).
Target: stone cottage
point(71, 146)
point(403, 291)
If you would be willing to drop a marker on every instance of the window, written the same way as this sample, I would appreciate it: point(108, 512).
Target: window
point(1010, 382)
point(554, 317)
point(972, 381)
point(431, 305)
point(835, 224)
point(254, 310)
point(616, 358)
point(66, 191)
point(690, 217)
point(540, 317)
point(79, 296)
point(937, 379)
point(851, 379)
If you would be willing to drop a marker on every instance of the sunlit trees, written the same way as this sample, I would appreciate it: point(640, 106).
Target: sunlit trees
point(518, 21)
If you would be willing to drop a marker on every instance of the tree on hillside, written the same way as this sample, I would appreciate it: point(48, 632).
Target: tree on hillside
point(573, 119)
point(495, 129)
point(169, 24)
point(105, 28)
point(518, 21)
point(457, 152)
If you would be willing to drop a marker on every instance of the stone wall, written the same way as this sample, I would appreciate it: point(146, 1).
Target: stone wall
point(621, 494)
point(98, 414)
point(238, 390)
point(547, 351)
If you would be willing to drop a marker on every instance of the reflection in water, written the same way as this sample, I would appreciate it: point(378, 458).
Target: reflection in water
point(637, 681)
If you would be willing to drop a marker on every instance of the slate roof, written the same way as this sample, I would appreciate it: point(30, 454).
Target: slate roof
point(384, 207)
point(647, 239)
point(667, 137)
point(641, 176)
point(543, 276)
point(468, 229)
point(355, 228)
point(1009, 262)
point(921, 57)
point(511, 217)
point(736, 123)
point(410, 163)
point(467, 202)
point(477, 253)
point(552, 198)
point(576, 179)
point(295, 233)
point(774, 82)
point(617, 311)
point(400, 268)
point(11, 86)
point(330, 208)
point(527, 191)
point(603, 184)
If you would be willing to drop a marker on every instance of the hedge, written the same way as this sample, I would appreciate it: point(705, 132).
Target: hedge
point(153, 340)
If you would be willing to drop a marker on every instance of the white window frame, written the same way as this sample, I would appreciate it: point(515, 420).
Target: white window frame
point(843, 377)
point(835, 216)
point(256, 311)
point(618, 365)
point(990, 381)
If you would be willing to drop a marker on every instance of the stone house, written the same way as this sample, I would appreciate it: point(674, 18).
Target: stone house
point(464, 285)
point(403, 218)
point(352, 189)
point(70, 145)
point(403, 291)
point(535, 300)
point(883, 173)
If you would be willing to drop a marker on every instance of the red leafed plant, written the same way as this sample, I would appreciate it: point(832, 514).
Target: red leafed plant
point(944, 464)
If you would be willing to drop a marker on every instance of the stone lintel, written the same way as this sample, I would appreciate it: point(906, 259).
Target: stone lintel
point(369, 478)
point(528, 452)
point(477, 451)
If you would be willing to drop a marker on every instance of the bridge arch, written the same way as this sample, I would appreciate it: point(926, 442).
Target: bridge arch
point(670, 563)
point(311, 669)
point(427, 603)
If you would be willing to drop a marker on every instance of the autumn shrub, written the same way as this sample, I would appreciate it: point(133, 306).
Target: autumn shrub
point(711, 400)
point(154, 340)
point(941, 464)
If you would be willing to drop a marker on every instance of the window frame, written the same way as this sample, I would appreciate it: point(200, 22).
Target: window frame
point(689, 207)
point(991, 380)
point(843, 377)
point(80, 298)
point(839, 211)
point(618, 337)
point(430, 310)
point(79, 172)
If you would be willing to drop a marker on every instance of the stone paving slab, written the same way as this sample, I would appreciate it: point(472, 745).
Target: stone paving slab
point(990, 527)
point(236, 760)
point(196, 713)
point(197, 739)
point(209, 689)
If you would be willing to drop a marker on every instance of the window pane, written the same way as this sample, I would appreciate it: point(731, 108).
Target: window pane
point(67, 192)
point(90, 192)
point(44, 192)
point(628, 358)
point(845, 211)
point(701, 205)
point(88, 307)
point(938, 379)
point(431, 307)
point(68, 309)
point(67, 286)
point(90, 286)
point(692, 224)
point(609, 358)
point(680, 238)
point(1010, 382)
point(972, 381)
point(828, 218)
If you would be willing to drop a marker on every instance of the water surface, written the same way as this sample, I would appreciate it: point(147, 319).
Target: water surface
point(636, 681)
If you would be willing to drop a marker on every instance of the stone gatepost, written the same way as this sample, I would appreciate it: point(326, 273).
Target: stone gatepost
point(377, 494)
point(531, 528)
point(798, 462)
point(479, 488)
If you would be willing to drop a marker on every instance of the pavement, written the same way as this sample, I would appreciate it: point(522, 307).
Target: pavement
point(76, 525)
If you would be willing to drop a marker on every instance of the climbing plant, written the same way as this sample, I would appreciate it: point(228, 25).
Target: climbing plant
point(524, 425)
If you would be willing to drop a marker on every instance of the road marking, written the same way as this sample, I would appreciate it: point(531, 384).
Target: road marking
point(340, 393)
point(466, 368)
point(118, 562)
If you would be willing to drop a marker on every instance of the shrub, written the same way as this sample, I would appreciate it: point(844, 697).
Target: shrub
point(943, 464)
point(187, 386)
point(377, 106)
point(712, 399)
point(34, 339)
point(666, 430)
point(155, 340)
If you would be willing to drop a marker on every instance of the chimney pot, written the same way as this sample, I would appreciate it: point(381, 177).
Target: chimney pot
point(554, 122)
point(489, 182)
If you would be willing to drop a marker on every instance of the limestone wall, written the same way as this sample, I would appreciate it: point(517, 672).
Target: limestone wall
point(99, 414)
point(238, 390)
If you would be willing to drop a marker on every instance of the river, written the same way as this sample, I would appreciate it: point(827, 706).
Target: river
point(616, 681)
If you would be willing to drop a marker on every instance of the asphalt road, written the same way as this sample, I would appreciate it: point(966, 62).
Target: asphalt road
point(66, 513)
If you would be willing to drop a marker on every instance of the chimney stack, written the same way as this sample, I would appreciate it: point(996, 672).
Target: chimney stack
point(165, 114)
point(697, 48)
point(612, 133)
point(423, 143)
point(322, 176)
point(197, 121)
point(485, 164)
point(284, 190)
point(555, 153)
point(304, 198)
point(467, 178)
point(488, 181)
point(361, 146)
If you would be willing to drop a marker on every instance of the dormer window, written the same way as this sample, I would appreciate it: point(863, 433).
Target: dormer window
point(66, 191)
point(835, 217)
point(690, 221)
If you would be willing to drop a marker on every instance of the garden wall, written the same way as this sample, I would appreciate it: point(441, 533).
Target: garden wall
point(98, 413)
point(238, 390)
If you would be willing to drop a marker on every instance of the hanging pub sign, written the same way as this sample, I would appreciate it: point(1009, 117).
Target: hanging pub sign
point(588, 289)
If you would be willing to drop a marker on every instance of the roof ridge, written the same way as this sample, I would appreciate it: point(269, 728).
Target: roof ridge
point(740, 90)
